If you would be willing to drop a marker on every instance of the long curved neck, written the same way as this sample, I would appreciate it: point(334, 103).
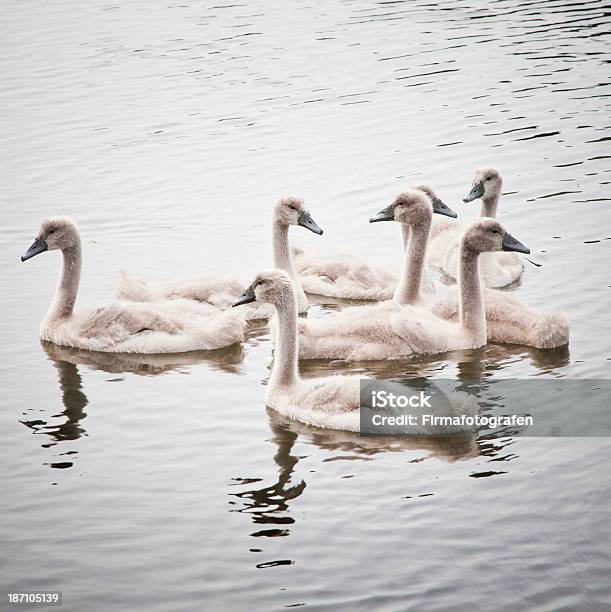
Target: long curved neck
point(489, 205)
point(67, 288)
point(405, 234)
point(281, 249)
point(284, 371)
point(408, 289)
point(471, 307)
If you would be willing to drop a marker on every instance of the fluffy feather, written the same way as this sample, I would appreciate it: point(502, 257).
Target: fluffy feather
point(378, 331)
point(510, 320)
point(497, 269)
point(221, 291)
point(129, 327)
point(351, 277)
point(331, 403)
point(216, 292)
point(391, 331)
point(345, 276)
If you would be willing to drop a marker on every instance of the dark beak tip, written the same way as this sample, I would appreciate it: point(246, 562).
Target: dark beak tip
point(511, 244)
point(465, 200)
point(39, 246)
point(246, 298)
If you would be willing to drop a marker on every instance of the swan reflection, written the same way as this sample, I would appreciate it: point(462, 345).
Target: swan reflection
point(269, 506)
point(74, 401)
point(463, 365)
point(446, 448)
point(67, 425)
point(228, 359)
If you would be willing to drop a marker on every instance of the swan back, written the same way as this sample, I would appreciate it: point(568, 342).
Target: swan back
point(133, 327)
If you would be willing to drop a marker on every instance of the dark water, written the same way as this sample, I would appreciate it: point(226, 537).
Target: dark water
point(167, 131)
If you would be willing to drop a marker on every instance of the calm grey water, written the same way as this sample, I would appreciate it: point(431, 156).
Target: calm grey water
point(167, 131)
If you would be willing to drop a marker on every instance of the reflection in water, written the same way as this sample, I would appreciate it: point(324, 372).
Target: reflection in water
point(449, 449)
point(182, 184)
point(227, 359)
point(548, 360)
point(75, 401)
point(67, 359)
point(269, 506)
point(463, 365)
point(473, 367)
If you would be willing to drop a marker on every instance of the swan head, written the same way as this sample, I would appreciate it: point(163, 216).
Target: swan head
point(439, 207)
point(486, 235)
point(410, 208)
point(56, 233)
point(487, 184)
point(271, 287)
point(291, 210)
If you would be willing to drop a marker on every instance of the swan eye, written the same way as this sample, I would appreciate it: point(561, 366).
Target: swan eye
point(293, 207)
point(495, 231)
point(488, 178)
point(51, 231)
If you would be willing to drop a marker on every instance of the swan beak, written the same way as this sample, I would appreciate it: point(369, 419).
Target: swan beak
point(443, 209)
point(39, 246)
point(511, 244)
point(388, 214)
point(305, 220)
point(246, 298)
point(477, 191)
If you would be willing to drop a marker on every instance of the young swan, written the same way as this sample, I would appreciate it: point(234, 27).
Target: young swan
point(221, 291)
point(332, 402)
point(498, 269)
point(509, 320)
point(350, 277)
point(391, 331)
point(414, 210)
point(127, 327)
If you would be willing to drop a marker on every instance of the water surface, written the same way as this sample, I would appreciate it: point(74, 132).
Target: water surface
point(167, 131)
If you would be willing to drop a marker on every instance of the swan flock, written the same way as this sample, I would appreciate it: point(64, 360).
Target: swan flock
point(409, 311)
